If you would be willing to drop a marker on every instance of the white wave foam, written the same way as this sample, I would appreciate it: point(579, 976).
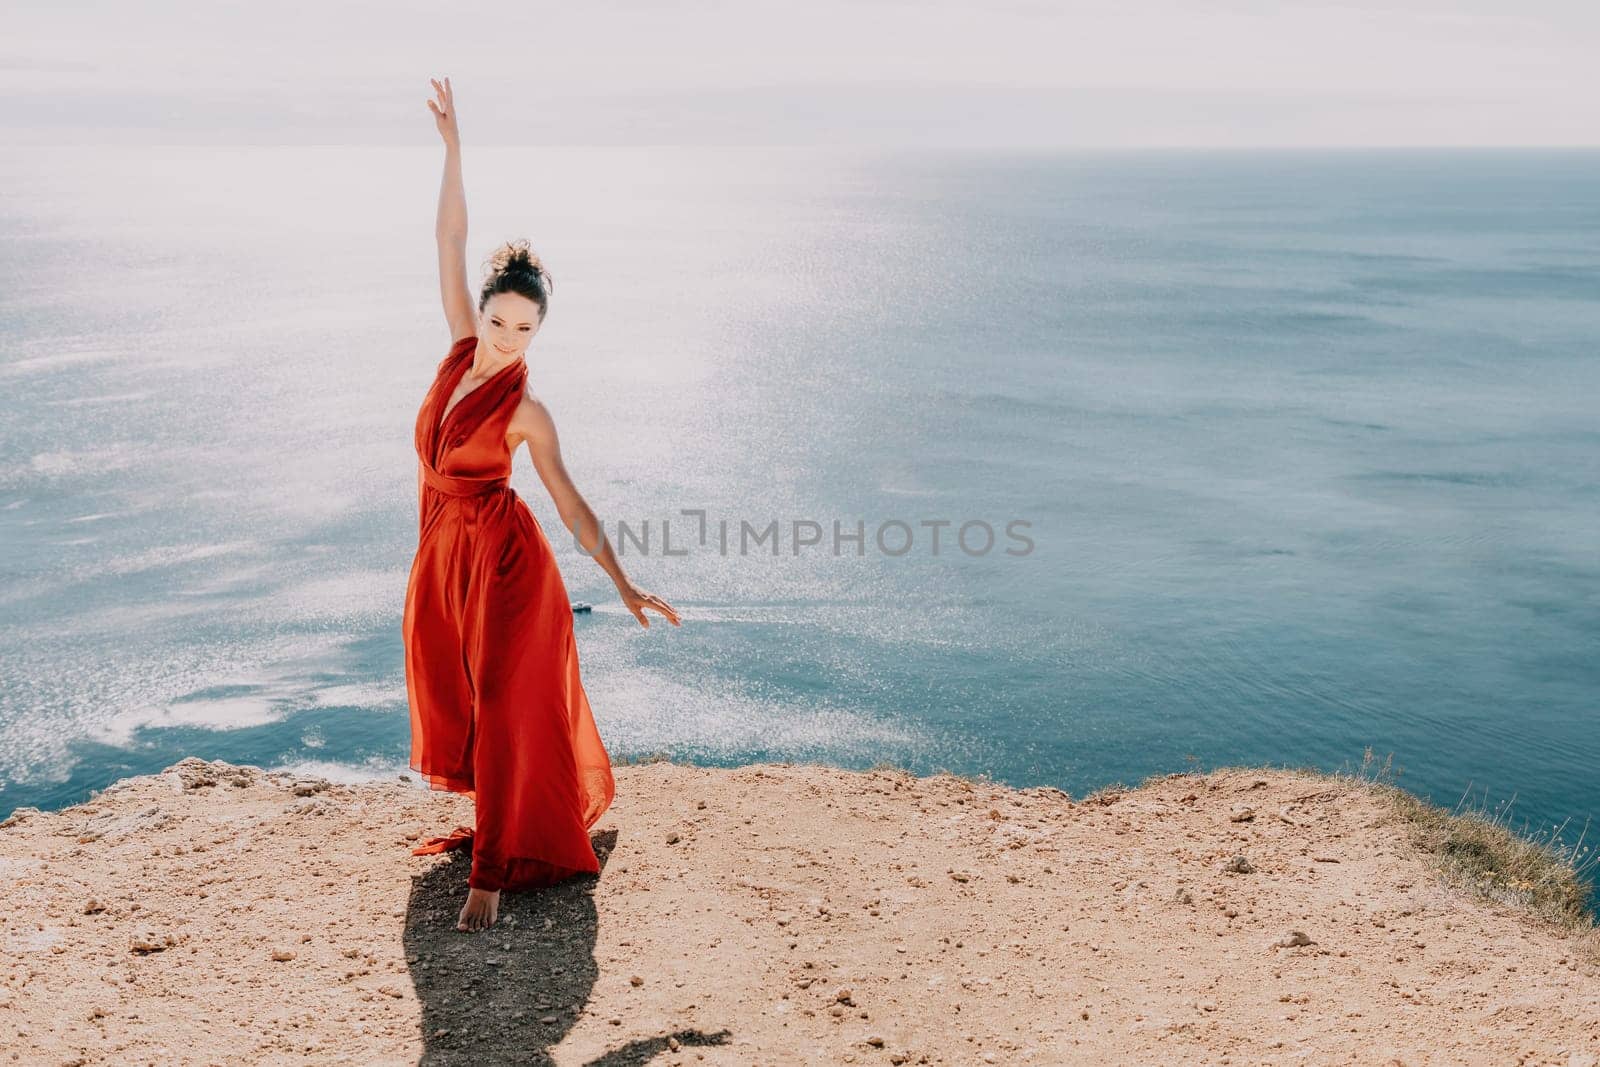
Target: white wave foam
point(373, 770)
point(224, 713)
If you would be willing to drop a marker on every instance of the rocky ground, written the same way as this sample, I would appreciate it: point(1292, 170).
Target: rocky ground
point(773, 914)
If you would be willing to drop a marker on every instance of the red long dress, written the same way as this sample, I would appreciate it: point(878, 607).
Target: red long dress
point(498, 710)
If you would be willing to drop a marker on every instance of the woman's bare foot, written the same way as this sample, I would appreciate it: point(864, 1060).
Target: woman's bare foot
point(480, 910)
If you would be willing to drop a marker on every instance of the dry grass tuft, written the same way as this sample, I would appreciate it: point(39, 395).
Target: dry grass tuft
point(1473, 846)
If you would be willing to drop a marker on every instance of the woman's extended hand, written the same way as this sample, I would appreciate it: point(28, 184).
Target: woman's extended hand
point(444, 113)
point(636, 600)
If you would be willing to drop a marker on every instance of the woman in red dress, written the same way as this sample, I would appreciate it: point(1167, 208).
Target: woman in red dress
point(498, 709)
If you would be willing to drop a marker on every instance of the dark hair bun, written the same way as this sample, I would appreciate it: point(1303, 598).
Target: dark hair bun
point(515, 268)
point(515, 257)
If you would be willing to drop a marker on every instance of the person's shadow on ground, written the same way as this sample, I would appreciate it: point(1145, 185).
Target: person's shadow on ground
point(512, 992)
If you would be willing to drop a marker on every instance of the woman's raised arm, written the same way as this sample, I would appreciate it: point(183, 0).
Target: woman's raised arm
point(450, 230)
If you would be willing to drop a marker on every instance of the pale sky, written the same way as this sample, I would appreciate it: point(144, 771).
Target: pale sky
point(1129, 73)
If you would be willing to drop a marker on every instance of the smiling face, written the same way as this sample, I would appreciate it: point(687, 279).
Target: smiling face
point(508, 321)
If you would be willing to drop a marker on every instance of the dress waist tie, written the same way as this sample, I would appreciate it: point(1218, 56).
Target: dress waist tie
point(451, 486)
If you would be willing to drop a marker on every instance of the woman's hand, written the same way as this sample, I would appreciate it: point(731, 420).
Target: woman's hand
point(636, 600)
point(444, 113)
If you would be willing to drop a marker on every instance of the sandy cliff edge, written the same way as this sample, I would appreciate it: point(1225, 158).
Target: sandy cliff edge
point(773, 914)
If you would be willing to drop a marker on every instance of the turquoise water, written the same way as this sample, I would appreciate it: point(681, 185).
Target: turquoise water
point(1304, 443)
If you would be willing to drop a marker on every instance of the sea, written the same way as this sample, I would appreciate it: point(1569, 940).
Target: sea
point(1063, 468)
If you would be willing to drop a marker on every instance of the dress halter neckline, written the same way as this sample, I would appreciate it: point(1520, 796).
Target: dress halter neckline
point(455, 380)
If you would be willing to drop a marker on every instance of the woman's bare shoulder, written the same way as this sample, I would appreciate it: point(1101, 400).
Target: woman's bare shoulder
point(531, 419)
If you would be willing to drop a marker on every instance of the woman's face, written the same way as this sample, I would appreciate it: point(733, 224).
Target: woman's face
point(508, 322)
